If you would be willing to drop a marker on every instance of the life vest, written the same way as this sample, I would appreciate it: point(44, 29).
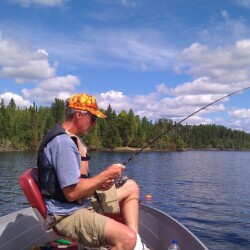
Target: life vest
point(47, 177)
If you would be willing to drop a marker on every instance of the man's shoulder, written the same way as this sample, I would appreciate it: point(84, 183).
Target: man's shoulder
point(63, 141)
point(63, 137)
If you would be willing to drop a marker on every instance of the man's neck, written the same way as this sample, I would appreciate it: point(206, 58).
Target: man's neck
point(67, 125)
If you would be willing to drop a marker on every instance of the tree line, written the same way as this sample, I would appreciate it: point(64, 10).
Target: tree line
point(23, 129)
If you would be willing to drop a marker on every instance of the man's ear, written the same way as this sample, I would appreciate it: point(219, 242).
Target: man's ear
point(78, 114)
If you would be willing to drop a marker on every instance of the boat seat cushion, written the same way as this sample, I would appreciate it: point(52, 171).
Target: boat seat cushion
point(29, 183)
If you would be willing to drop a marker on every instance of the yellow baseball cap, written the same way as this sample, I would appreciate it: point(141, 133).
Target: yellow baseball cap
point(85, 102)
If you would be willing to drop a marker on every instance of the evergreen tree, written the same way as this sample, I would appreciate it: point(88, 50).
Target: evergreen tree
point(111, 137)
point(95, 138)
point(163, 143)
point(57, 110)
point(34, 142)
point(124, 128)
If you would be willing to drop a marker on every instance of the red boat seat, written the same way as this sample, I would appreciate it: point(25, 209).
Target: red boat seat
point(29, 183)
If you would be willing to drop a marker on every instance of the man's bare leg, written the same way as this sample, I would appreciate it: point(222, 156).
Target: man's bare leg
point(128, 195)
point(119, 236)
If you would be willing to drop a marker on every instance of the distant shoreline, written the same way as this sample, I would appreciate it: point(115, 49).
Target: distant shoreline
point(129, 149)
point(125, 149)
point(11, 150)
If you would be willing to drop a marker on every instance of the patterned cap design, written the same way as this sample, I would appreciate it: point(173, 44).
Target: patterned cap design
point(85, 102)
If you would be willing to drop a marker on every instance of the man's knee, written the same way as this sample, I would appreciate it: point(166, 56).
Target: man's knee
point(129, 190)
point(132, 185)
point(132, 239)
point(119, 235)
point(129, 241)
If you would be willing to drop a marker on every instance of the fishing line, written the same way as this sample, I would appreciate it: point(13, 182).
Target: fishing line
point(176, 124)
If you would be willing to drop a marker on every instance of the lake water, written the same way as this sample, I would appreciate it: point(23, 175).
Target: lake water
point(207, 191)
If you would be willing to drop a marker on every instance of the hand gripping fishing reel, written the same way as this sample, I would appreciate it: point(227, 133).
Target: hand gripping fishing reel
point(121, 180)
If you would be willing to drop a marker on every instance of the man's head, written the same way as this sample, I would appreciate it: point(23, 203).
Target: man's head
point(85, 102)
point(84, 110)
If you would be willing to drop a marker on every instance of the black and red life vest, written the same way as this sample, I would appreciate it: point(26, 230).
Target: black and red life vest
point(47, 177)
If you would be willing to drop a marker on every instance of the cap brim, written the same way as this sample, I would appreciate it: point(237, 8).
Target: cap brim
point(97, 113)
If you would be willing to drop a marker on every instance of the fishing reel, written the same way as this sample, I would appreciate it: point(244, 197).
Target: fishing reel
point(121, 180)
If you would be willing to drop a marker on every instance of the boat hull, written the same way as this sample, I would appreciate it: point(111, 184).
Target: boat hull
point(158, 229)
point(22, 230)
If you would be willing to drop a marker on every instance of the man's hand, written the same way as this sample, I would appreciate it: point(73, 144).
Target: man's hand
point(114, 171)
point(86, 187)
point(107, 185)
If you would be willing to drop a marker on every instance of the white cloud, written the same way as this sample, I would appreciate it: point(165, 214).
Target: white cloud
point(129, 3)
point(47, 90)
point(32, 71)
point(243, 3)
point(65, 83)
point(48, 3)
point(116, 99)
point(162, 89)
point(238, 124)
point(146, 101)
point(203, 85)
point(19, 100)
point(224, 13)
point(240, 113)
point(224, 65)
point(219, 32)
point(196, 120)
point(23, 65)
point(235, 27)
point(12, 54)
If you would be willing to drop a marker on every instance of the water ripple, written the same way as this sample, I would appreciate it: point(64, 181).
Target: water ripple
point(206, 191)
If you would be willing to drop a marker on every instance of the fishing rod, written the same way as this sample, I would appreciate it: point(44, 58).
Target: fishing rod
point(176, 124)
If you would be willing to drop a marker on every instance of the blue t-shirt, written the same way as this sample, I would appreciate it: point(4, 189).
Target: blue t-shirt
point(63, 155)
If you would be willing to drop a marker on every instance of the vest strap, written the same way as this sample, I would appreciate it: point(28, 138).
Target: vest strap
point(85, 158)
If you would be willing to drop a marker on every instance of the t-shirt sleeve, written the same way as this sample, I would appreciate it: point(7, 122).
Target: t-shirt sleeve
point(66, 161)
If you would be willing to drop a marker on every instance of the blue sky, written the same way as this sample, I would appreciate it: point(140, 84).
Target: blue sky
point(163, 59)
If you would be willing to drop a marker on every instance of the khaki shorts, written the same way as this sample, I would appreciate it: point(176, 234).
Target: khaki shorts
point(86, 225)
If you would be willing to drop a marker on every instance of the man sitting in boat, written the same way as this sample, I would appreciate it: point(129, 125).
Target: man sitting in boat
point(74, 200)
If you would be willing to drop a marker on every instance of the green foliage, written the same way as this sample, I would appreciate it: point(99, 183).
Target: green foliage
point(57, 110)
point(110, 136)
point(25, 128)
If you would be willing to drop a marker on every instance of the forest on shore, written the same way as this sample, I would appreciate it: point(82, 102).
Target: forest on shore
point(23, 129)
